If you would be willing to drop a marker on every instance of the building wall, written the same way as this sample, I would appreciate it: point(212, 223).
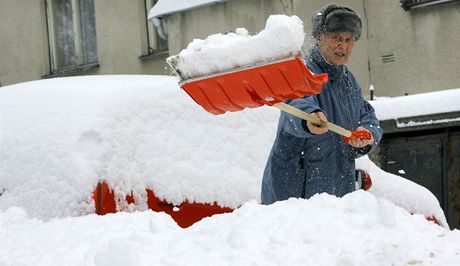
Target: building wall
point(418, 47)
point(199, 23)
point(23, 43)
point(121, 38)
point(424, 44)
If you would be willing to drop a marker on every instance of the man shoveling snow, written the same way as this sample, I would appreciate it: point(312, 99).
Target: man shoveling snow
point(307, 159)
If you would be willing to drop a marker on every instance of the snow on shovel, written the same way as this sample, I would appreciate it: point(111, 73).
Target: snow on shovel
point(229, 72)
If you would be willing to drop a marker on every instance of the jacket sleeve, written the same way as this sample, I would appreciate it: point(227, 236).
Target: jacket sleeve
point(369, 121)
point(297, 126)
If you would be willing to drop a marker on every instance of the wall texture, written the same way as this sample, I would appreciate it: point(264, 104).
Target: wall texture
point(415, 51)
point(23, 43)
point(122, 38)
point(199, 23)
point(399, 52)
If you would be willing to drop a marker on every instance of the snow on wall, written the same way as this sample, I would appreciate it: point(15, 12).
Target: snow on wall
point(282, 37)
point(166, 7)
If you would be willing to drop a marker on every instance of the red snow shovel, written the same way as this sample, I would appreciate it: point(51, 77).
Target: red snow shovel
point(265, 84)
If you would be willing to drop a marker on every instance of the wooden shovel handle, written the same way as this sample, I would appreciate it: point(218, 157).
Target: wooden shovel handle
point(312, 118)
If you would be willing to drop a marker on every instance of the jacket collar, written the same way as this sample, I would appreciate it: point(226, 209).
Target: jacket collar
point(334, 71)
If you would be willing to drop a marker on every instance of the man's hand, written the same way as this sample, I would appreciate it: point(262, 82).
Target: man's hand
point(360, 143)
point(315, 129)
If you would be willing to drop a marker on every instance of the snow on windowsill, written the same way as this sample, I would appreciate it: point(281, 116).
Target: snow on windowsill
point(168, 7)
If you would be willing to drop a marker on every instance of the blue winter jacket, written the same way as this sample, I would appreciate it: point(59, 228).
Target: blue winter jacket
point(302, 164)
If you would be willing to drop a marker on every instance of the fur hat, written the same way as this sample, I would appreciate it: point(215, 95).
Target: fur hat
point(334, 18)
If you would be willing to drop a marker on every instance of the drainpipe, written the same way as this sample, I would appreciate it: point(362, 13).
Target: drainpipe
point(48, 37)
point(371, 90)
point(369, 72)
point(147, 27)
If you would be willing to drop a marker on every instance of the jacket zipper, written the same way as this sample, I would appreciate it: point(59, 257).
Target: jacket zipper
point(344, 107)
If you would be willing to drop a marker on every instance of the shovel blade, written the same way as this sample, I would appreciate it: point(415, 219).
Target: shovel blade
point(255, 86)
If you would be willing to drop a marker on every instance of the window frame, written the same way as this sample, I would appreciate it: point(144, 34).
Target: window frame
point(153, 47)
point(79, 65)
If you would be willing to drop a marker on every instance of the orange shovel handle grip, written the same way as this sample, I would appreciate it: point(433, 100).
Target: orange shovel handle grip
point(360, 134)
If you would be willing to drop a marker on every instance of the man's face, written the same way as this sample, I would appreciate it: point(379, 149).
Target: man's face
point(336, 47)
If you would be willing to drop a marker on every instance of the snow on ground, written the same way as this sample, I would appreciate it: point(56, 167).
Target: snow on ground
point(282, 38)
point(358, 229)
point(60, 136)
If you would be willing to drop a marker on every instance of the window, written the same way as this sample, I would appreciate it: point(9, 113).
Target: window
point(157, 34)
point(72, 35)
point(414, 4)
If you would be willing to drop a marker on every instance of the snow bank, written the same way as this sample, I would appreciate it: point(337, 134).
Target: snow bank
point(282, 37)
point(358, 229)
point(59, 137)
point(402, 192)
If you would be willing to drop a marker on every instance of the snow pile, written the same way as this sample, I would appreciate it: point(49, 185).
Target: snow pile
point(418, 104)
point(358, 229)
point(59, 137)
point(403, 192)
point(282, 37)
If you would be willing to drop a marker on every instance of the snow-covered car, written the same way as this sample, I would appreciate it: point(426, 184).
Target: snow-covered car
point(73, 145)
point(61, 137)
